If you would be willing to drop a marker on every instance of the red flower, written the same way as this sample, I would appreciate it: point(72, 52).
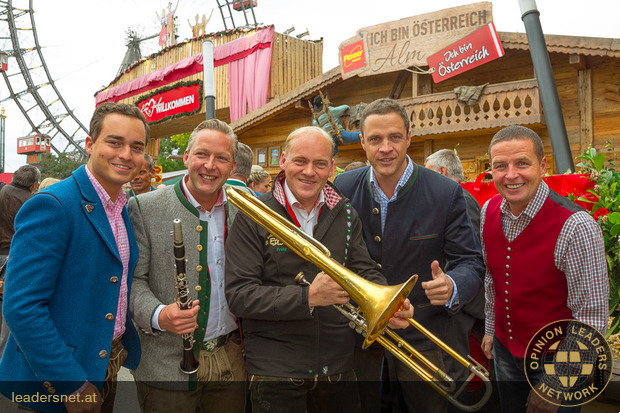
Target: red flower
point(600, 212)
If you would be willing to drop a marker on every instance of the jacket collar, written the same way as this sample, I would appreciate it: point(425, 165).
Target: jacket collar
point(332, 196)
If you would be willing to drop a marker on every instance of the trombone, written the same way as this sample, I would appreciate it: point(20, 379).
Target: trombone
point(377, 303)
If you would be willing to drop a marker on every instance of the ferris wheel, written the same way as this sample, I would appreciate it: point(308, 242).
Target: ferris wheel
point(29, 83)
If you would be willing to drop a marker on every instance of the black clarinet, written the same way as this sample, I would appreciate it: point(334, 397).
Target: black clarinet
point(189, 364)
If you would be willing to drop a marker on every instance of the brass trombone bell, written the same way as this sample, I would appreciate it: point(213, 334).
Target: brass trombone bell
point(371, 297)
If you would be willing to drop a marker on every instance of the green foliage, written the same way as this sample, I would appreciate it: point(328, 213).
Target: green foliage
point(605, 200)
point(174, 145)
point(60, 166)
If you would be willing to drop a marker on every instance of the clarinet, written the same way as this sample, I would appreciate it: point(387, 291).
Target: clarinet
point(189, 364)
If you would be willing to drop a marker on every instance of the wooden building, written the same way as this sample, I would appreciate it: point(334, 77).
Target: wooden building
point(293, 63)
point(587, 74)
point(586, 70)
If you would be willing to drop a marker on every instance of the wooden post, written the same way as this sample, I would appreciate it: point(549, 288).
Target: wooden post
point(428, 148)
point(415, 84)
point(421, 84)
point(584, 85)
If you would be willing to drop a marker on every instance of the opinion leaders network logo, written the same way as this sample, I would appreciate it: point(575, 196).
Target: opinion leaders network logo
point(569, 363)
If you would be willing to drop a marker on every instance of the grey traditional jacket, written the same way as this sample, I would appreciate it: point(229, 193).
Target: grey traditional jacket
point(152, 215)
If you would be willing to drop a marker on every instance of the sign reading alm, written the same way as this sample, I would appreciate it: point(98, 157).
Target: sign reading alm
point(399, 44)
point(478, 48)
point(182, 99)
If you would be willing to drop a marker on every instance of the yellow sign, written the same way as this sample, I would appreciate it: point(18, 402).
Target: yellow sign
point(157, 170)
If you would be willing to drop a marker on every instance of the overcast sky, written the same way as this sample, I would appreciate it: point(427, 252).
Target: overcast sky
point(84, 40)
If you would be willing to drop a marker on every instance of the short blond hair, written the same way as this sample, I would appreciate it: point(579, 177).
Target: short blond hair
point(307, 130)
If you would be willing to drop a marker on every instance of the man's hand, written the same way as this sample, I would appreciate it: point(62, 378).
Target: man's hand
point(536, 404)
point(487, 346)
point(398, 320)
point(439, 290)
point(324, 291)
point(89, 401)
point(178, 321)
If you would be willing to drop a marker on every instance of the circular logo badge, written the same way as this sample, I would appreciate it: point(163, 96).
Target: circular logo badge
point(569, 363)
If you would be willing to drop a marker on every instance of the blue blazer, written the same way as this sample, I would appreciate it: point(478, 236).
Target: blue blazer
point(62, 285)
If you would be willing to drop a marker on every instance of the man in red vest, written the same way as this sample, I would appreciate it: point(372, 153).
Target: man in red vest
point(545, 261)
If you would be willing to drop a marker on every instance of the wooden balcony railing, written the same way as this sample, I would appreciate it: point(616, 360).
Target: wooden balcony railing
point(499, 105)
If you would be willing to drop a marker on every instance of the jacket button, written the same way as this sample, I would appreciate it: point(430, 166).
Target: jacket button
point(377, 238)
point(507, 266)
point(510, 337)
point(379, 267)
point(46, 384)
point(199, 268)
point(51, 390)
point(199, 247)
point(114, 280)
point(103, 354)
point(198, 288)
point(109, 317)
point(375, 211)
point(509, 249)
point(199, 228)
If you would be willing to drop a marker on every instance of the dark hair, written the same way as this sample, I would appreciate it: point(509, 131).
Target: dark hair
point(517, 132)
point(317, 102)
point(244, 160)
point(26, 175)
point(383, 107)
point(150, 161)
point(96, 123)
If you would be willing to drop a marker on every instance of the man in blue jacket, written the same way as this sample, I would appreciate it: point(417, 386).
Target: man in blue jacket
point(414, 221)
point(68, 278)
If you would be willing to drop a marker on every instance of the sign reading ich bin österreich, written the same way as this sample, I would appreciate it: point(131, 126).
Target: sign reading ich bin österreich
point(399, 44)
point(182, 99)
point(478, 48)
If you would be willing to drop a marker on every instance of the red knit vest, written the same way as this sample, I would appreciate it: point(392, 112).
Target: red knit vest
point(530, 292)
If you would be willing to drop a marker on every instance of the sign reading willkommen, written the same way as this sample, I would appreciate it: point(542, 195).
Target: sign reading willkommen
point(398, 44)
point(568, 363)
point(478, 48)
point(175, 101)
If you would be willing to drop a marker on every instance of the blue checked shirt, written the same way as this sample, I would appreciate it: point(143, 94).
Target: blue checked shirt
point(383, 201)
point(381, 198)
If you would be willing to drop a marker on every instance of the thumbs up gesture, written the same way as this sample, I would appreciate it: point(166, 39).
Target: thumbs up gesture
point(439, 289)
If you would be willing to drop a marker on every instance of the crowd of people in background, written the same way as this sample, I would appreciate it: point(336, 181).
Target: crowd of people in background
point(90, 276)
